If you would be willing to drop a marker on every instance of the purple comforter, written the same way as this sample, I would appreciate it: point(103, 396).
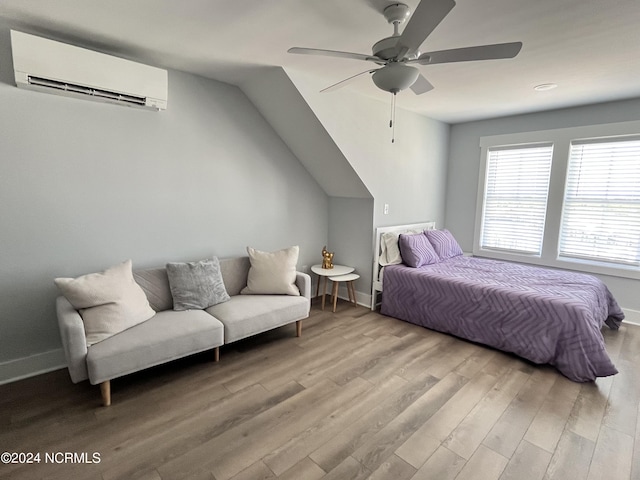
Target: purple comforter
point(543, 315)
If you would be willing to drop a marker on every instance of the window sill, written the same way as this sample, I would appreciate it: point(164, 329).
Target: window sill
point(564, 263)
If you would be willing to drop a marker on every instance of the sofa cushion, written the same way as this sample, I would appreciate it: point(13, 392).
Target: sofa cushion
point(155, 283)
point(167, 336)
point(234, 273)
point(272, 272)
point(246, 315)
point(196, 285)
point(109, 302)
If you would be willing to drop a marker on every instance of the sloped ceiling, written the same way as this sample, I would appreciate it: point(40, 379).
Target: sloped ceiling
point(281, 103)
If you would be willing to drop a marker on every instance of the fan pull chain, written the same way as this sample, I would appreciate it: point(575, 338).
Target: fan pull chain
point(391, 114)
point(392, 122)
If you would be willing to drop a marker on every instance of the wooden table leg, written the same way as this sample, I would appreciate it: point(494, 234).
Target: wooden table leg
point(324, 290)
point(335, 295)
point(355, 300)
point(352, 293)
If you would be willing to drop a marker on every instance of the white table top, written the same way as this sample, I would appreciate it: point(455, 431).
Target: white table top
point(331, 272)
point(349, 277)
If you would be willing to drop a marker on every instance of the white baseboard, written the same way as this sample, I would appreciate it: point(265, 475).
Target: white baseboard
point(31, 366)
point(363, 299)
point(631, 316)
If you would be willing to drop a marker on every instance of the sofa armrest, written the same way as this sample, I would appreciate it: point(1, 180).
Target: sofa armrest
point(74, 342)
point(303, 281)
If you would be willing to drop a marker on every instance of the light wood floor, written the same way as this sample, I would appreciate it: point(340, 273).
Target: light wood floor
point(359, 395)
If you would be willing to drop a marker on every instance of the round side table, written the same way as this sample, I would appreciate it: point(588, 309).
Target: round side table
point(324, 273)
point(349, 278)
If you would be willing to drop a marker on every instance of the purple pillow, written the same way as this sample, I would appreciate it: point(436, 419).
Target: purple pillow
point(443, 243)
point(416, 250)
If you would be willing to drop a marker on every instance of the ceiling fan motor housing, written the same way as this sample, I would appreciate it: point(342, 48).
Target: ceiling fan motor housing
point(395, 77)
point(387, 48)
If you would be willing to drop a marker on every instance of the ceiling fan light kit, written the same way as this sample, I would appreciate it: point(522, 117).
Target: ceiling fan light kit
point(395, 77)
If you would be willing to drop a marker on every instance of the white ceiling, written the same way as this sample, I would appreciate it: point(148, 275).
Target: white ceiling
point(590, 48)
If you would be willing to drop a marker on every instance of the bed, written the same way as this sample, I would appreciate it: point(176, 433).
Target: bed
point(544, 315)
point(387, 239)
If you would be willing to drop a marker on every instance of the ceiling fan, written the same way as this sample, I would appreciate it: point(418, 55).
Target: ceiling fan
point(397, 54)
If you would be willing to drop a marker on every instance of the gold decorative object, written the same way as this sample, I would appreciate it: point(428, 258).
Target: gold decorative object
point(327, 258)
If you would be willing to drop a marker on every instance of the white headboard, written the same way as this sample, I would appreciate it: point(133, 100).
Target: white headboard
point(377, 268)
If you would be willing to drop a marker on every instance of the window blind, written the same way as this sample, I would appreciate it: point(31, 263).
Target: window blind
point(515, 198)
point(601, 212)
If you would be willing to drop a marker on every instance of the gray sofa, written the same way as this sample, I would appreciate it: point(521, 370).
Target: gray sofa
point(170, 334)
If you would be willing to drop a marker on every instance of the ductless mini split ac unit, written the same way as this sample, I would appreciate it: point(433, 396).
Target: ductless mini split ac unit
point(62, 69)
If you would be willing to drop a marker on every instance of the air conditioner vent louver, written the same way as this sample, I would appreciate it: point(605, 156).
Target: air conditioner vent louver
point(54, 67)
point(70, 87)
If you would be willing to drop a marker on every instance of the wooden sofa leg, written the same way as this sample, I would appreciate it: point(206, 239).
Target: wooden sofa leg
point(105, 390)
point(216, 354)
point(299, 328)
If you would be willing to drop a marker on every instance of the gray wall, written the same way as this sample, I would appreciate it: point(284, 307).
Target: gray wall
point(464, 165)
point(409, 175)
point(84, 185)
point(350, 226)
point(340, 134)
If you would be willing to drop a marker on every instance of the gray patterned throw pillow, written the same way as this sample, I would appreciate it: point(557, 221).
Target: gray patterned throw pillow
point(196, 285)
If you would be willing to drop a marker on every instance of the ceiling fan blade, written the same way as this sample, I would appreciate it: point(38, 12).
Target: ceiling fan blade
point(346, 81)
point(335, 53)
point(466, 54)
point(421, 85)
point(427, 16)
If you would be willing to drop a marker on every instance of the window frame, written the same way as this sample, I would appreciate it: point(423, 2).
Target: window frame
point(582, 193)
point(561, 139)
point(483, 220)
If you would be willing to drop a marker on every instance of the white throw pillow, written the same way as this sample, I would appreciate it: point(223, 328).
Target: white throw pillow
point(272, 272)
point(109, 302)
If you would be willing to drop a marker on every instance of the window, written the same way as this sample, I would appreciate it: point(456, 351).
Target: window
point(601, 213)
point(570, 198)
point(515, 198)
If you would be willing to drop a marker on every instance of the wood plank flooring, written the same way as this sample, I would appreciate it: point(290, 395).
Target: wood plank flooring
point(358, 396)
